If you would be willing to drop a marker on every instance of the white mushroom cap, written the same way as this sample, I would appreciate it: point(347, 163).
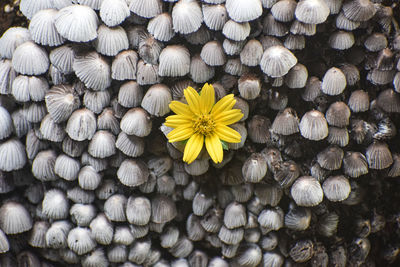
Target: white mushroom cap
point(146, 8)
point(11, 39)
point(277, 61)
point(114, 12)
point(43, 30)
point(110, 41)
point(174, 61)
point(244, 10)
point(186, 16)
point(14, 218)
point(77, 23)
point(312, 11)
point(161, 27)
point(93, 70)
point(30, 59)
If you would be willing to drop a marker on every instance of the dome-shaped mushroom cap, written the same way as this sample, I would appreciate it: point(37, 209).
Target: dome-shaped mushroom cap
point(110, 41)
point(333, 82)
point(186, 16)
point(277, 61)
point(114, 12)
point(146, 8)
point(174, 61)
point(313, 125)
point(12, 155)
point(244, 10)
point(14, 218)
point(30, 59)
point(161, 27)
point(30, 8)
point(93, 70)
point(11, 39)
point(215, 16)
point(312, 11)
point(43, 30)
point(307, 191)
point(77, 23)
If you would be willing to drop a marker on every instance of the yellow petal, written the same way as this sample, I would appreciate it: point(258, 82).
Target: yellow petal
point(193, 99)
point(193, 148)
point(228, 116)
point(225, 103)
point(179, 134)
point(180, 108)
point(207, 98)
point(227, 134)
point(174, 121)
point(214, 147)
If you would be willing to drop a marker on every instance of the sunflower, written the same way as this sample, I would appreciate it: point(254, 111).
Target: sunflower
point(203, 121)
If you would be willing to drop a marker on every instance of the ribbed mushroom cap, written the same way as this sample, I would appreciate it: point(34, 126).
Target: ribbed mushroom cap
point(344, 23)
point(277, 61)
point(163, 209)
point(336, 188)
point(312, 11)
point(110, 41)
point(30, 59)
point(244, 10)
point(284, 10)
point(286, 122)
point(313, 125)
point(333, 82)
point(14, 218)
point(338, 114)
point(80, 240)
point(157, 99)
point(138, 210)
point(213, 54)
point(12, 155)
point(214, 16)
point(43, 30)
point(307, 191)
point(146, 8)
point(124, 65)
point(297, 76)
point(81, 125)
point(43, 165)
point(29, 8)
point(61, 101)
point(133, 172)
point(236, 31)
point(29, 88)
point(379, 156)
point(330, 158)
point(113, 12)
point(341, 40)
point(11, 39)
point(376, 42)
point(200, 72)
point(93, 70)
point(55, 204)
point(161, 27)
point(174, 61)
point(359, 10)
point(186, 16)
point(77, 23)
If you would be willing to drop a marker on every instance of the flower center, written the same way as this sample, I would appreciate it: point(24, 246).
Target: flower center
point(204, 124)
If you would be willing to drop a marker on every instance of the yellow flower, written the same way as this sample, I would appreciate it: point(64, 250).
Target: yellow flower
point(203, 121)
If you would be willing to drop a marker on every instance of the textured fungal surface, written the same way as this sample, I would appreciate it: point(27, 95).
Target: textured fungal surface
point(199, 133)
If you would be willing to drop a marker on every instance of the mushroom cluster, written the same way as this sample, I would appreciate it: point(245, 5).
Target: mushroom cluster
point(89, 178)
